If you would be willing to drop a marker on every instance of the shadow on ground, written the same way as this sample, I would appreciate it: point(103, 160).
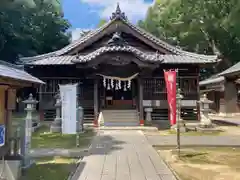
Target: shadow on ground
point(105, 144)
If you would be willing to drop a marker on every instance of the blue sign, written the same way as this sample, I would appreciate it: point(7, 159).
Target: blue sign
point(2, 135)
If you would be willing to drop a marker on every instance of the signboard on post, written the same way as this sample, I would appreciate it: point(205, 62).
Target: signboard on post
point(68, 94)
point(2, 135)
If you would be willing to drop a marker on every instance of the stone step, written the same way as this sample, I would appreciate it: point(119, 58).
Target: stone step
point(121, 111)
point(120, 118)
point(121, 124)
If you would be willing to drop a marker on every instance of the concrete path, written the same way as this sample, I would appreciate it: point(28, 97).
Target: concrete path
point(122, 155)
point(48, 152)
point(231, 120)
point(194, 140)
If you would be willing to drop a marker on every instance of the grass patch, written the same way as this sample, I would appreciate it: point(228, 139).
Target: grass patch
point(204, 162)
point(42, 138)
point(50, 169)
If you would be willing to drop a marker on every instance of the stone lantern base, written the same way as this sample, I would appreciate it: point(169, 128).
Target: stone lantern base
point(56, 126)
point(210, 128)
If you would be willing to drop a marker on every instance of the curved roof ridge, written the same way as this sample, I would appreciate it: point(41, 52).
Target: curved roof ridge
point(126, 48)
point(71, 45)
point(142, 32)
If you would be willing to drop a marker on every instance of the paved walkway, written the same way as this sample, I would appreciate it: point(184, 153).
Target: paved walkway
point(194, 140)
point(231, 120)
point(122, 155)
point(48, 152)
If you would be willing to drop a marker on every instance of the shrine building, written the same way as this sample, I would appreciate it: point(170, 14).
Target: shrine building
point(119, 68)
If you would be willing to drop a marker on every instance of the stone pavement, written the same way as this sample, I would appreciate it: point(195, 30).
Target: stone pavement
point(122, 155)
point(210, 140)
point(48, 152)
point(231, 120)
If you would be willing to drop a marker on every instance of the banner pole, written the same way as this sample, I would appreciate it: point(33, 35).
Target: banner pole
point(178, 111)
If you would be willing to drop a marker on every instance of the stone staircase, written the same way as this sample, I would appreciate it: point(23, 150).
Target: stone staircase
point(120, 117)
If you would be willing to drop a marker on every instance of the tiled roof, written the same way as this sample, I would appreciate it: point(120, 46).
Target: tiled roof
point(233, 69)
point(57, 60)
point(221, 76)
point(143, 33)
point(149, 57)
point(9, 71)
point(212, 80)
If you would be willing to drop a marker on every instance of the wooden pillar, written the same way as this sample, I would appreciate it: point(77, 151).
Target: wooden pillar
point(95, 100)
point(140, 97)
point(198, 95)
point(41, 112)
point(3, 110)
point(230, 96)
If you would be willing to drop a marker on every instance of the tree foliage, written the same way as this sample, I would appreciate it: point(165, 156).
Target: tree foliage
point(203, 26)
point(28, 29)
point(102, 22)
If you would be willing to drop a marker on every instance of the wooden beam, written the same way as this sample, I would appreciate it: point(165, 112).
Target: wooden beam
point(14, 83)
point(95, 94)
point(141, 115)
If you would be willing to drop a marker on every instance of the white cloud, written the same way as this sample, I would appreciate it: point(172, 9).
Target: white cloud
point(77, 33)
point(134, 9)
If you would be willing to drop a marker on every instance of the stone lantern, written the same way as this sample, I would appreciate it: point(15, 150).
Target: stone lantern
point(28, 126)
point(56, 126)
point(148, 115)
point(204, 104)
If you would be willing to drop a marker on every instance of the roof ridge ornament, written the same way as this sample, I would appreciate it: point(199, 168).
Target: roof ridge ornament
point(117, 40)
point(118, 14)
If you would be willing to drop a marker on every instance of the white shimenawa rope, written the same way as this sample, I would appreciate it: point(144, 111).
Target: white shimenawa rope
point(118, 78)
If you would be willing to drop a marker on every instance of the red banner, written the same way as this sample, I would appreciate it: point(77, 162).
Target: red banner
point(170, 80)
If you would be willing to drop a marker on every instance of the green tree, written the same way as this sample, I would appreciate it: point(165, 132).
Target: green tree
point(198, 26)
point(30, 30)
point(102, 22)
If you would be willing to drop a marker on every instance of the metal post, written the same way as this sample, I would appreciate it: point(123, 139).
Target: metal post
point(178, 120)
point(178, 113)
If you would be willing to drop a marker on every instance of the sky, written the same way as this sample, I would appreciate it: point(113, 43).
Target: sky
point(86, 14)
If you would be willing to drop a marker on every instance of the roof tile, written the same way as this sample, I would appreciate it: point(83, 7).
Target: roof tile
point(9, 71)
